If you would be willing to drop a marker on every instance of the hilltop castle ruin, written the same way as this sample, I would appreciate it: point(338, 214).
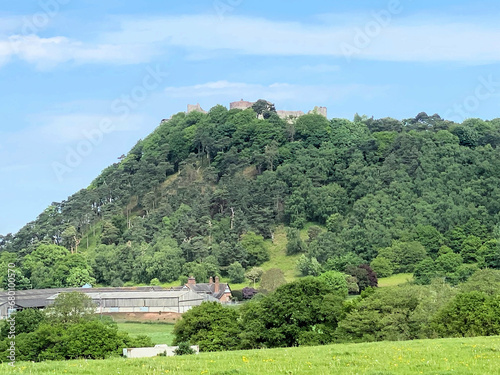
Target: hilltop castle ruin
point(242, 104)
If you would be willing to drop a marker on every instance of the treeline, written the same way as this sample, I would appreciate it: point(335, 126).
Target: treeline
point(313, 311)
point(204, 191)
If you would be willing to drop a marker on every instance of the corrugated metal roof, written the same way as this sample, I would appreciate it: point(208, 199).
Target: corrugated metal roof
point(134, 295)
point(44, 297)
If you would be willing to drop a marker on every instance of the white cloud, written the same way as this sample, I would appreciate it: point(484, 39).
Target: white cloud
point(48, 52)
point(139, 40)
point(403, 39)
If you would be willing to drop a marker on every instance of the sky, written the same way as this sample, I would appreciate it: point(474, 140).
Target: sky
point(82, 81)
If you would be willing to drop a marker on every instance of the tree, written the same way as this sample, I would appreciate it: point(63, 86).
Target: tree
point(71, 307)
point(469, 314)
point(272, 279)
point(71, 238)
point(430, 238)
point(254, 274)
point(470, 249)
point(110, 234)
point(200, 271)
point(210, 325)
point(364, 275)
point(340, 263)
point(382, 266)
point(352, 284)
point(336, 281)
point(164, 261)
point(264, 108)
point(22, 282)
point(78, 277)
point(308, 266)
point(404, 255)
point(27, 320)
point(490, 252)
point(303, 312)
point(425, 271)
point(486, 281)
point(448, 263)
point(236, 273)
point(401, 313)
point(294, 243)
point(326, 246)
point(254, 246)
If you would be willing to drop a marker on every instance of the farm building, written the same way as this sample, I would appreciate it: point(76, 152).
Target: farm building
point(110, 300)
point(212, 291)
point(178, 301)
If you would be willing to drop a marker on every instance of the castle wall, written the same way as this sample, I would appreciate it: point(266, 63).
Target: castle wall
point(320, 111)
point(288, 114)
point(195, 108)
point(242, 104)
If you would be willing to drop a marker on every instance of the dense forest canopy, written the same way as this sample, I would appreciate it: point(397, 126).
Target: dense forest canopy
point(203, 192)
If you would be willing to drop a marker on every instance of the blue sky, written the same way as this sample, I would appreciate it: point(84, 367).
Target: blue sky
point(82, 81)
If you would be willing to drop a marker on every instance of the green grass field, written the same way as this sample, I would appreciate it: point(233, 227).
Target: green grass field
point(398, 279)
point(279, 259)
point(160, 333)
point(472, 356)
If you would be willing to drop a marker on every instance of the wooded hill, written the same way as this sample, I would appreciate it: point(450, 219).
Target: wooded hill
point(203, 191)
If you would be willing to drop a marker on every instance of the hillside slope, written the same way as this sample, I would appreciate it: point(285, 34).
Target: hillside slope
point(205, 191)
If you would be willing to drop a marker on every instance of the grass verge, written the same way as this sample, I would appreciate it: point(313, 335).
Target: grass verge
point(461, 356)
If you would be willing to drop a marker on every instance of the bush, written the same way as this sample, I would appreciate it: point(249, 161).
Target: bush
point(237, 295)
point(84, 339)
point(249, 293)
point(184, 349)
point(116, 283)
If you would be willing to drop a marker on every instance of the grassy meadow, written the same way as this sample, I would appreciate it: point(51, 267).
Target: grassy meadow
point(394, 280)
point(160, 333)
point(474, 356)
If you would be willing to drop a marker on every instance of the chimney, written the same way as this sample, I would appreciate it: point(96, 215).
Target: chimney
point(216, 284)
point(191, 281)
point(211, 281)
